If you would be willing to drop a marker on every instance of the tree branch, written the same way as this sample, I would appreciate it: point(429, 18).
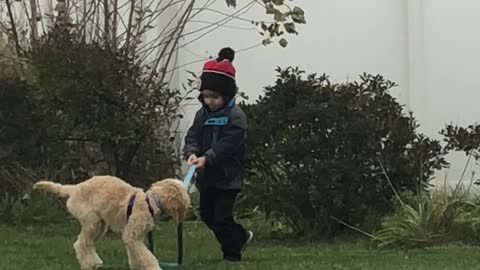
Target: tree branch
point(205, 58)
point(147, 49)
point(14, 28)
point(129, 27)
point(106, 27)
point(241, 11)
point(150, 49)
point(41, 16)
point(180, 27)
point(114, 25)
point(33, 8)
point(230, 15)
point(223, 25)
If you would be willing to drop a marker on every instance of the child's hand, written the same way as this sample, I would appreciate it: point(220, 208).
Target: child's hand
point(200, 162)
point(191, 159)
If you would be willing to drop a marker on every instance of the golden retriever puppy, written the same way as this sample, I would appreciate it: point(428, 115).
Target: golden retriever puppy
point(103, 202)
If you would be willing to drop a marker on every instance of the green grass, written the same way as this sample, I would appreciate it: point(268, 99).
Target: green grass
point(50, 247)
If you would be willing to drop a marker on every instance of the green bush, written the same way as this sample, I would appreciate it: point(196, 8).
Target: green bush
point(14, 66)
point(101, 113)
point(315, 149)
point(466, 139)
point(19, 128)
point(70, 110)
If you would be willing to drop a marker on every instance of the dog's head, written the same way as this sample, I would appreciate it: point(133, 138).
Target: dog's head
point(173, 197)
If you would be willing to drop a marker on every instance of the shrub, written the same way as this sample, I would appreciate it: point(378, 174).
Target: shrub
point(441, 217)
point(315, 147)
point(71, 109)
point(101, 113)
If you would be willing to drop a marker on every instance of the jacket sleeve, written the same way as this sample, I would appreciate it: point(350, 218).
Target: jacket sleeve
point(233, 137)
point(193, 137)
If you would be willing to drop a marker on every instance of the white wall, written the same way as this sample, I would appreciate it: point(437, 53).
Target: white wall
point(342, 38)
point(452, 61)
point(431, 48)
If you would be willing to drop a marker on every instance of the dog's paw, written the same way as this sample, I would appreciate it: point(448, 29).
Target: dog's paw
point(93, 265)
point(98, 264)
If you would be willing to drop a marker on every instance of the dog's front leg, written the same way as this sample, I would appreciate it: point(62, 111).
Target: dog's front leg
point(132, 265)
point(140, 258)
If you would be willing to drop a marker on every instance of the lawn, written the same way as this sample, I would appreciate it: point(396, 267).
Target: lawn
point(50, 247)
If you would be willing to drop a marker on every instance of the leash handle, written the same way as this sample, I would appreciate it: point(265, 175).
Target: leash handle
point(188, 178)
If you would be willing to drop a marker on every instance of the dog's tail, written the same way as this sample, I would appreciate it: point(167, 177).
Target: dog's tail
point(62, 191)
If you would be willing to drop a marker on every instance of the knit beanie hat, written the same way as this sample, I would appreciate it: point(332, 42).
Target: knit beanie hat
point(219, 75)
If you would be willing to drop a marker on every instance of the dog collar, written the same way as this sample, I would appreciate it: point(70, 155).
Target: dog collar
point(131, 203)
point(163, 215)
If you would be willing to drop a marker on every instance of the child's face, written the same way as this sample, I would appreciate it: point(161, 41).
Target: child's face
point(213, 102)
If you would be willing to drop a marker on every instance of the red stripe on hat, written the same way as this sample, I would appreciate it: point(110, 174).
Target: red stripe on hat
point(224, 67)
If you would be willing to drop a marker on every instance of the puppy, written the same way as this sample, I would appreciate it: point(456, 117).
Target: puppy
point(103, 202)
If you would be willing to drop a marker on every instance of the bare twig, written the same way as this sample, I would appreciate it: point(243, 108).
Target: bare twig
point(14, 28)
point(186, 64)
point(173, 47)
point(250, 48)
point(41, 16)
point(202, 59)
point(84, 18)
point(223, 21)
point(106, 28)
point(243, 10)
point(33, 8)
point(27, 15)
point(181, 26)
point(129, 27)
point(260, 3)
point(459, 183)
point(234, 17)
point(98, 29)
point(471, 183)
point(223, 25)
point(147, 49)
point(114, 25)
point(175, 62)
point(354, 228)
point(147, 52)
point(390, 183)
point(50, 11)
point(199, 10)
point(89, 16)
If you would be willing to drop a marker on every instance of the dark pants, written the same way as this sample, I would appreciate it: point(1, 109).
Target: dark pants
point(216, 210)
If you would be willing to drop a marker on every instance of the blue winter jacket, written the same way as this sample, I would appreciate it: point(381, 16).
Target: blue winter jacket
point(220, 137)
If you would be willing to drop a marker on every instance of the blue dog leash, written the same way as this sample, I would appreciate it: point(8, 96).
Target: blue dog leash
point(187, 180)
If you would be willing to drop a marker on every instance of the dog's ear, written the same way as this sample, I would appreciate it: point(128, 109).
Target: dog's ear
point(174, 197)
